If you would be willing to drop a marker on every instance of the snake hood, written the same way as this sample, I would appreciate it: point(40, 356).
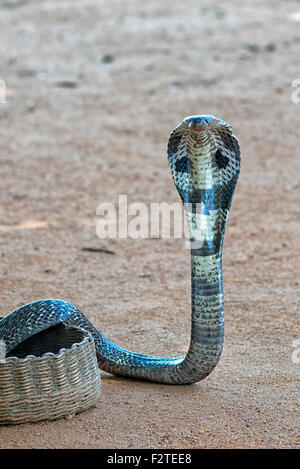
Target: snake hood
point(202, 153)
point(204, 158)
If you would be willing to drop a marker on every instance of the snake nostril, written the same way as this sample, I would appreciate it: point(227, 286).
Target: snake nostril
point(183, 165)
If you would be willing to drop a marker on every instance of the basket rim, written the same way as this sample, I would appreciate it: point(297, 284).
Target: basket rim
point(86, 337)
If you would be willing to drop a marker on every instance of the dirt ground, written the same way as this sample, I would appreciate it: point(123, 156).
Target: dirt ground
point(93, 89)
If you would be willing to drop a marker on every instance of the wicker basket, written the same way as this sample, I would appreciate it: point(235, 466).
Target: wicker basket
point(51, 375)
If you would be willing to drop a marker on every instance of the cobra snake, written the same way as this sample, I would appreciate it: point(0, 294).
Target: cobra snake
point(204, 158)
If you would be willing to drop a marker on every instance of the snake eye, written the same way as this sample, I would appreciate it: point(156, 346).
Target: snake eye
point(221, 160)
point(183, 165)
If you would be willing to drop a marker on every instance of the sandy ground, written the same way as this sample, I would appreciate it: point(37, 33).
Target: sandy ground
point(133, 71)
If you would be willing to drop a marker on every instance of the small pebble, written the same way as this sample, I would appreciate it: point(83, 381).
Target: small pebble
point(26, 72)
point(30, 106)
point(252, 47)
point(108, 59)
point(48, 271)
point(270, 47)
point(66, 83)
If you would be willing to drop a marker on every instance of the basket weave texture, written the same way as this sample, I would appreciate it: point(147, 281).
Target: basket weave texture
point(51, 375)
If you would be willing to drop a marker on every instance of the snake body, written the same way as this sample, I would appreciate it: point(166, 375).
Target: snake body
point(204, 158)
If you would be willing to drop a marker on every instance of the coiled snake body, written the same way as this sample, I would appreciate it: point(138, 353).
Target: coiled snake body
point(204, 158)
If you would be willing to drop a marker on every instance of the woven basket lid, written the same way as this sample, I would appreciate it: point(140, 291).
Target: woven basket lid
point(52, 374)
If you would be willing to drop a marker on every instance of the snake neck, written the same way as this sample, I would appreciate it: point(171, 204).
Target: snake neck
point(206, 222)
point(207, 315)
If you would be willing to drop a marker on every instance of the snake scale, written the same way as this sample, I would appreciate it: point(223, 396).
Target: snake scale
point(204, 158)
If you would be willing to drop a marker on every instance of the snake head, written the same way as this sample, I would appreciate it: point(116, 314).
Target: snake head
point(204, 157)
point(202, 123)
